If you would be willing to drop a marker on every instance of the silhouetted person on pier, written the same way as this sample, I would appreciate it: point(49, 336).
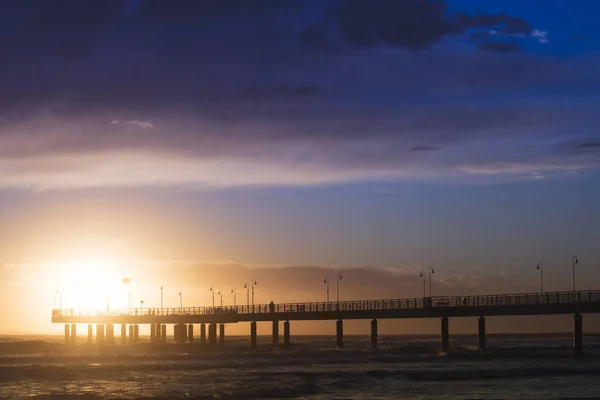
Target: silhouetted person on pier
point(272, 307)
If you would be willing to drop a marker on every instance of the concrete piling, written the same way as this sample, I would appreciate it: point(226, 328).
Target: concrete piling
point(67, 334)
point(445, 334)
point(131, 339)
point(222, 335)
point(373, 333)
point(212, 334)
point(190, 329)
point(100, 333)
point(136, 334)
point(339, 333)
point(482, 338)
point(123, 334)
point(73, 334)
point(275, 332)
point(577, 335)
point(286, 333)
point(90, 336)
point(253, 338)
point(203, 334)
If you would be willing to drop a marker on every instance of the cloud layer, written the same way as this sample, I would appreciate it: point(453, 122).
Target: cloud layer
point(284, 92)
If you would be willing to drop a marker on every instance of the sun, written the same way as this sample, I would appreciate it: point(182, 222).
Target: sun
point(91, 285)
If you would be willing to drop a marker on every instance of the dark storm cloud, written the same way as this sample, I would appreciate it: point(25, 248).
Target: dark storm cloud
point(228, 91)
point(499, 47)
point(411, 24)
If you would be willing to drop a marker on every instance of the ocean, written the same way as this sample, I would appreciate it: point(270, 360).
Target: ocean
point(403, 367)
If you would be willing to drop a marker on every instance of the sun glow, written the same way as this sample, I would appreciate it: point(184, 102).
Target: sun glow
point(91, 285)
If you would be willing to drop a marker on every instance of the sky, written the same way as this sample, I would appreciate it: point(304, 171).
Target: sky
point(198, 144)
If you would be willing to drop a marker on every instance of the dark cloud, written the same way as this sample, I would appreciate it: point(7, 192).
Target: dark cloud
point(423, 147)
point(499, 47)
point(414, 24)
point(588, 146)
point(411, 24)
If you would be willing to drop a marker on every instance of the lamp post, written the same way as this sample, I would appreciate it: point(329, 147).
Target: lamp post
point(422, 276)
point(337, 288)
point(247, 287)
point(212, 289)
point(326, 282)
point(254, 283)
point(234, 296)
point(539, 267)
point(220, 293)
point(431, 271)
point(161, 299)
point(575, 261)
point(180, 303)
point(141, 307)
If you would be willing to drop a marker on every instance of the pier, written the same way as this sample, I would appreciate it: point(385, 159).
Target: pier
point(182, 319)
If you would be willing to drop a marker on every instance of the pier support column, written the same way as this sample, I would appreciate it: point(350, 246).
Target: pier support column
point(100, 333)
point(158, 339)
point(73, 334)
point(190, 329)
point(374, 333)
point(176, 330)
point(123, 334)
point(445, 334)
point(212, 334)
point(110, 333)
point(275, 332)
point(203, 334)
point(286, 333)
point(482, 344)
point(67, 334)
point(577, 335)
point(182, 333)
point(253, 340)
point(131, 341)
point(90, 339)
point(163, 334)
point(222, 335)
point(339, 334)
point(152, 333)
point(136, 334)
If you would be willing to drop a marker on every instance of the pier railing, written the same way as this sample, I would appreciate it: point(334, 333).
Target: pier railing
point(500, 300)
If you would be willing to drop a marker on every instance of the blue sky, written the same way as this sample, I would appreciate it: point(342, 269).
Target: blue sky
point(387, 135)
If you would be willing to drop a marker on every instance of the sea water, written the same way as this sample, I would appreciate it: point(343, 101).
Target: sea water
point(402, 367)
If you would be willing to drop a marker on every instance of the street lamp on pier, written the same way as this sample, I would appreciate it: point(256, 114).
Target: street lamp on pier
point(431, 271)
point(337, 288)
point(247, 287)
point(326, 282)
point(234, 297)
point(539, 268)
point(212, 289)
point(422, 276)
point(575, 261)
point(254, 283)
point(220, 293)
